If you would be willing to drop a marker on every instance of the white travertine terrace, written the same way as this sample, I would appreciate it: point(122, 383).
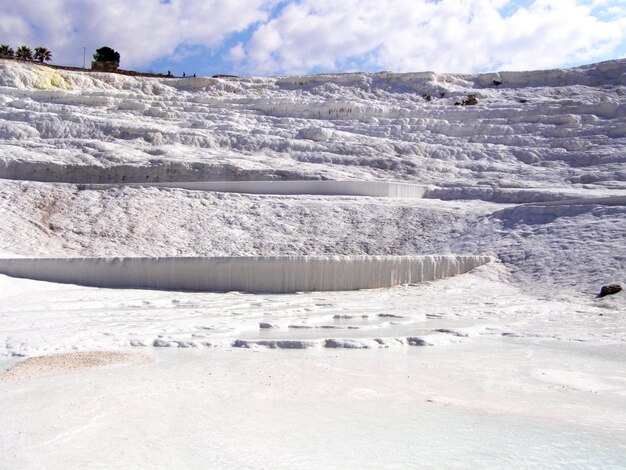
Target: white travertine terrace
point(276, 274)
point(325, 188)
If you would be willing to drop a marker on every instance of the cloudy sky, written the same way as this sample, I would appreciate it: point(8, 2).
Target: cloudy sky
point(272, 37)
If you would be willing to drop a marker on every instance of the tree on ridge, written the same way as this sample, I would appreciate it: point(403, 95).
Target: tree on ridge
point(6, 51)
point(106, 60)
point(24, 53)
point(41, 54)
point(106, 54)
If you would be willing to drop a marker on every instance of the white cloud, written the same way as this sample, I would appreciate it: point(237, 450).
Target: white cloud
point(451, 35)
point(305, 35)
point(141, 30)
point(237, 53)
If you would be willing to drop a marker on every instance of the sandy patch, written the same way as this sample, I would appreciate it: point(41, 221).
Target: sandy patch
point(68, 362)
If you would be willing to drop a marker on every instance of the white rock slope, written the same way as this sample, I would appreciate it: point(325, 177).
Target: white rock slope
point(533, 137)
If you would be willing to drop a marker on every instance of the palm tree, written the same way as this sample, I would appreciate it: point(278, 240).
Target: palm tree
point(41, 54)
point(6, 51)
point(24, 53)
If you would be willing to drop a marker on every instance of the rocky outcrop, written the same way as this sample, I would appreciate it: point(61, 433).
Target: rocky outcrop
point(469, 101)
point(609, 289)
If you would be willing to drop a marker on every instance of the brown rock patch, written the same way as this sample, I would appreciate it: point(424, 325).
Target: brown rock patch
point(40, 366)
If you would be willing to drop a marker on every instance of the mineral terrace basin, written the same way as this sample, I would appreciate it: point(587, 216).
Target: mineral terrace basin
point(237, 409)
point(527, 382)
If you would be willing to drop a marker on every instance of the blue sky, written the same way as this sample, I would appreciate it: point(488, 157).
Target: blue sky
point(272, 37)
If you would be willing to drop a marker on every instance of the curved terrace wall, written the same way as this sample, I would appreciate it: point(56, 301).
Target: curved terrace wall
point(314, 187)
point(278, 274)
